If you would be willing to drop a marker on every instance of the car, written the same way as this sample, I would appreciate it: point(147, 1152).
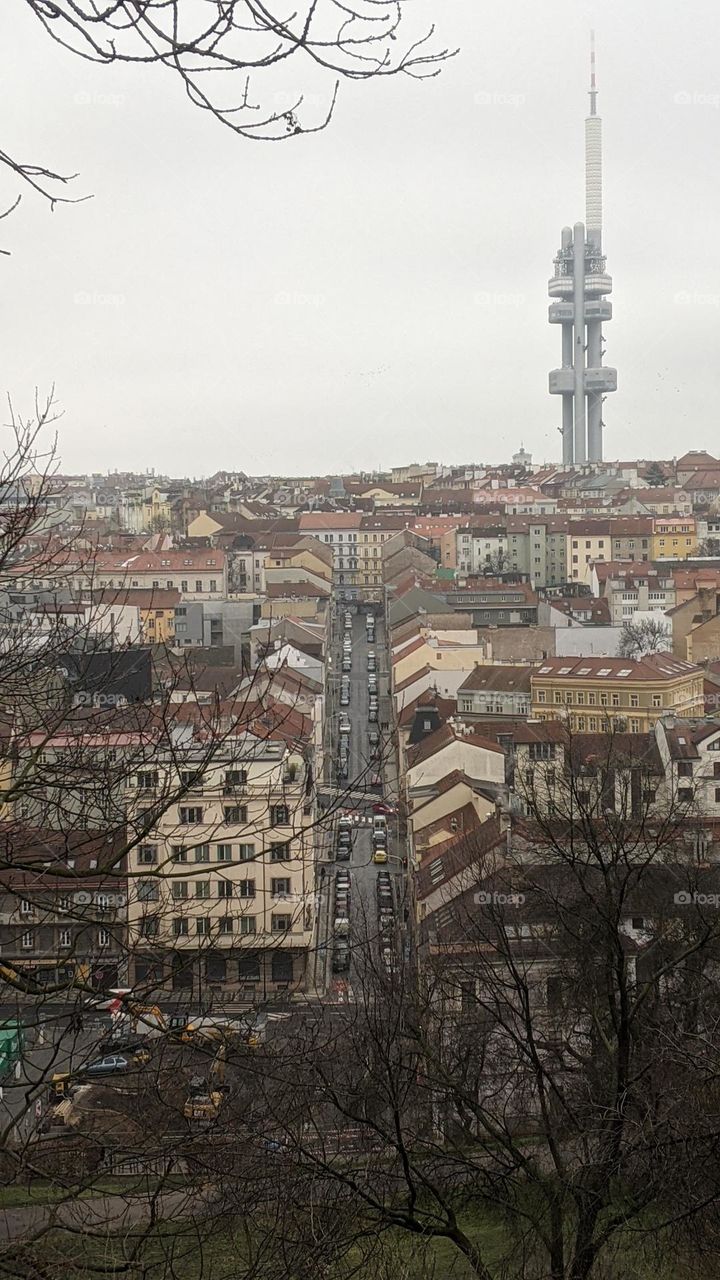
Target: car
point(344, 837)
point(344, 697)
point(341, 926)
point(371, 666)
point(373, 714)
point(342, 767)
point(342, 906)
point(379, 836)
point(344, 727)
point(380, 854)
point(108, 1066)
point(341, 958)
point(342, 881)
point(347, 663)
point(374, 737)
point(342, 853)
point(383, 807)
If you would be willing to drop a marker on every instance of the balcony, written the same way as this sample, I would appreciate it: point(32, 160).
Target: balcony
point(561, 381)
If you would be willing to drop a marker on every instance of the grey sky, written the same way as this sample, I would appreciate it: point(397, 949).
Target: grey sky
point(375, 293)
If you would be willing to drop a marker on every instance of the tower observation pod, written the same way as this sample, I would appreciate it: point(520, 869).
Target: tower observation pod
point(580, 290)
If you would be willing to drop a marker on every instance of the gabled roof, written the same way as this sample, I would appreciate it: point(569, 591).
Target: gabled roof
point(498, 679)
point(444, 737)
point(656, 666)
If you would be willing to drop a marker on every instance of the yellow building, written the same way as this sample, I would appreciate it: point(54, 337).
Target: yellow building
point(674, 537)
point(586, 540)
point(623, 692)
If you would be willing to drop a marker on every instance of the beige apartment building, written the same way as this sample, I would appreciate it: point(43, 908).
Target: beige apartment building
point(590, 693)
point(220, 897)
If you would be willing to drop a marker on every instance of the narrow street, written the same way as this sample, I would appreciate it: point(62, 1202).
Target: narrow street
point(364, 764)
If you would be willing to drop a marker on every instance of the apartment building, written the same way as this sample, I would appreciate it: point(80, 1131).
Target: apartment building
point(633, 588)
point(587, 540)
point(63, 906)
point(374, 533)
point(674, 538)
point(196, 574)
point(338, 530)
point(495, 691)
point(500, 604)
point(537, 548)
point(593, 693)
point(631, 538)
point(155, 610)
point(483, 550)
point(222, 887)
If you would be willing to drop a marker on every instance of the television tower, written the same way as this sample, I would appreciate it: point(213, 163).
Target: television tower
point(581, 285)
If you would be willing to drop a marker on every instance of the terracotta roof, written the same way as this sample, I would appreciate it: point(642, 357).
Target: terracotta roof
point(295, 590)
point(327, 521)
point(442, 738)
point(139, 597)
point(500, 679)
point(409, 680)
point(656, 666)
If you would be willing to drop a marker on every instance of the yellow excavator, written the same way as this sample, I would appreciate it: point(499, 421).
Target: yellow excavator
point(206, 1097)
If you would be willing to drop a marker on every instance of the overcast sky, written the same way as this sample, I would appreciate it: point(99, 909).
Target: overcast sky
point(376, 293)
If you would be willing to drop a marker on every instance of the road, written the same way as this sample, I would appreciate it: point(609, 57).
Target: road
point(364, 872)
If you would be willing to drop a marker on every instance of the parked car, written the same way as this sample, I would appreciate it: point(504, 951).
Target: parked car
point(379, 836)
point(342, 853)
point(344, 697)
point(109, 1066)
point(383, 807)
point(380, 854)
point(342, 881)
point(347, 662)
point(341, 926)
point(373, 714)
point(344, 727)
point(374, 737)
point(342, 767)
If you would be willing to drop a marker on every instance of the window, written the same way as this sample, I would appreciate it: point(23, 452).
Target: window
point(581, 699)
point(202, 888)
point(180, 927)
point(603, 700)
point(202, 927)
point(247, 888)
point(249, 968)
point(148, 891)
point(591, 699)
point(638, 922)
point(615, 699)
point(191, 814)
point(28, 940)
point(236, 778)
point(235, 813)
point(634, 700)
point(280, 887)
point(225, 924)
point(247, 852)
point(684, 769)
point(279, 815)
point(593, 724)
point(147, 779)
point(103, 937)
point(224, 853)
point(179, 890)
point(225, 889)
point(213, 584)
point(657, 699)
point(26, 908)
point(541, 695)
point(202, 853)
point(248, 924)
point(65, 938)
point(149, 927)
point(280, 852)
point(281, 924)
point(557, 696)
point(198, 584)
point(178, 853)
point(147, 854)
point(281, 969)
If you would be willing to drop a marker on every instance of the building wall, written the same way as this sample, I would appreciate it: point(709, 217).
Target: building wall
point(590, 704)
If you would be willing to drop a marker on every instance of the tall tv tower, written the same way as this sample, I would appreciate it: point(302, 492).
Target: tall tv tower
point(581, 285)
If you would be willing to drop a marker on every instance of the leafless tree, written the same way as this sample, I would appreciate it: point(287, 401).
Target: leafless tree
point(237, 60)
point(640, 637)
